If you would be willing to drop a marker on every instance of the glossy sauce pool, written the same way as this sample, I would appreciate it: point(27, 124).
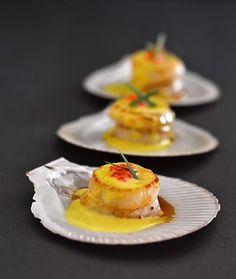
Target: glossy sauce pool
point(89, 219)
point(117, 89)
point(125, 145)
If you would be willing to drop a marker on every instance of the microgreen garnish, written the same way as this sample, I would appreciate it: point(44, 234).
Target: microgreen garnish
point(158, 45)
point(134, 89)
point(142, 97)
point(132, 171)
point(161, 40)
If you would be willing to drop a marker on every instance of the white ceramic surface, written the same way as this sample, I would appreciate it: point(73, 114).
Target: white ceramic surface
point(195, 207)
point(199, 90)
point(88, 131)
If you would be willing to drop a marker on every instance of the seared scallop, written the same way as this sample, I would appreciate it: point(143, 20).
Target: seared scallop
point(142, 122)
point(163, 70)
point(114, 190)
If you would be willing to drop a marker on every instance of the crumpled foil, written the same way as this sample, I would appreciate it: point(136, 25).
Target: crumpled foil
point(62, 176)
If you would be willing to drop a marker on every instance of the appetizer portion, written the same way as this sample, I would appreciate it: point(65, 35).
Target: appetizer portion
point(155, 67)
point(120, 197)
point(142, 122)
point(114, 190)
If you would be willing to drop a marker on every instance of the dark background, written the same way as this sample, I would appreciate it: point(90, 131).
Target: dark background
point(46, 49)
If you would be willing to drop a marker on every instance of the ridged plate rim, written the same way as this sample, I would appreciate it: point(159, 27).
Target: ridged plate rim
point(66, 131)
point(205, 210)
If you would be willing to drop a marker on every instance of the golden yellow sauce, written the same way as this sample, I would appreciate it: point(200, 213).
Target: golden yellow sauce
point(117, 89)
point(126, 145)
point(89, 219)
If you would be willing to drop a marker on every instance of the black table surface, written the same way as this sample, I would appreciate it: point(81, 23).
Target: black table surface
point(46, 50)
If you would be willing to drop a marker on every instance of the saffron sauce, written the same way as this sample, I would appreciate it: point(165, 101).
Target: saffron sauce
point(111, 139)
point(89, 219)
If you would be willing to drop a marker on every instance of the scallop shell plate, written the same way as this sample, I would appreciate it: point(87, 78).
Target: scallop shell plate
point(199, 90)
point(195, 207)
point(88, 132)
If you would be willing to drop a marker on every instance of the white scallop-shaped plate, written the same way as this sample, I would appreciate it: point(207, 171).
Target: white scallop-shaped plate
point(199, 90)
point(195, 207)
point(88, 132)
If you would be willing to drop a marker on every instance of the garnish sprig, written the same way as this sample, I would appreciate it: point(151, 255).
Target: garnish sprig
point(158, 46)
point(115, 165)
point(128, 168)
point(160, 42)
point(132, 171)
point(142, 97)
